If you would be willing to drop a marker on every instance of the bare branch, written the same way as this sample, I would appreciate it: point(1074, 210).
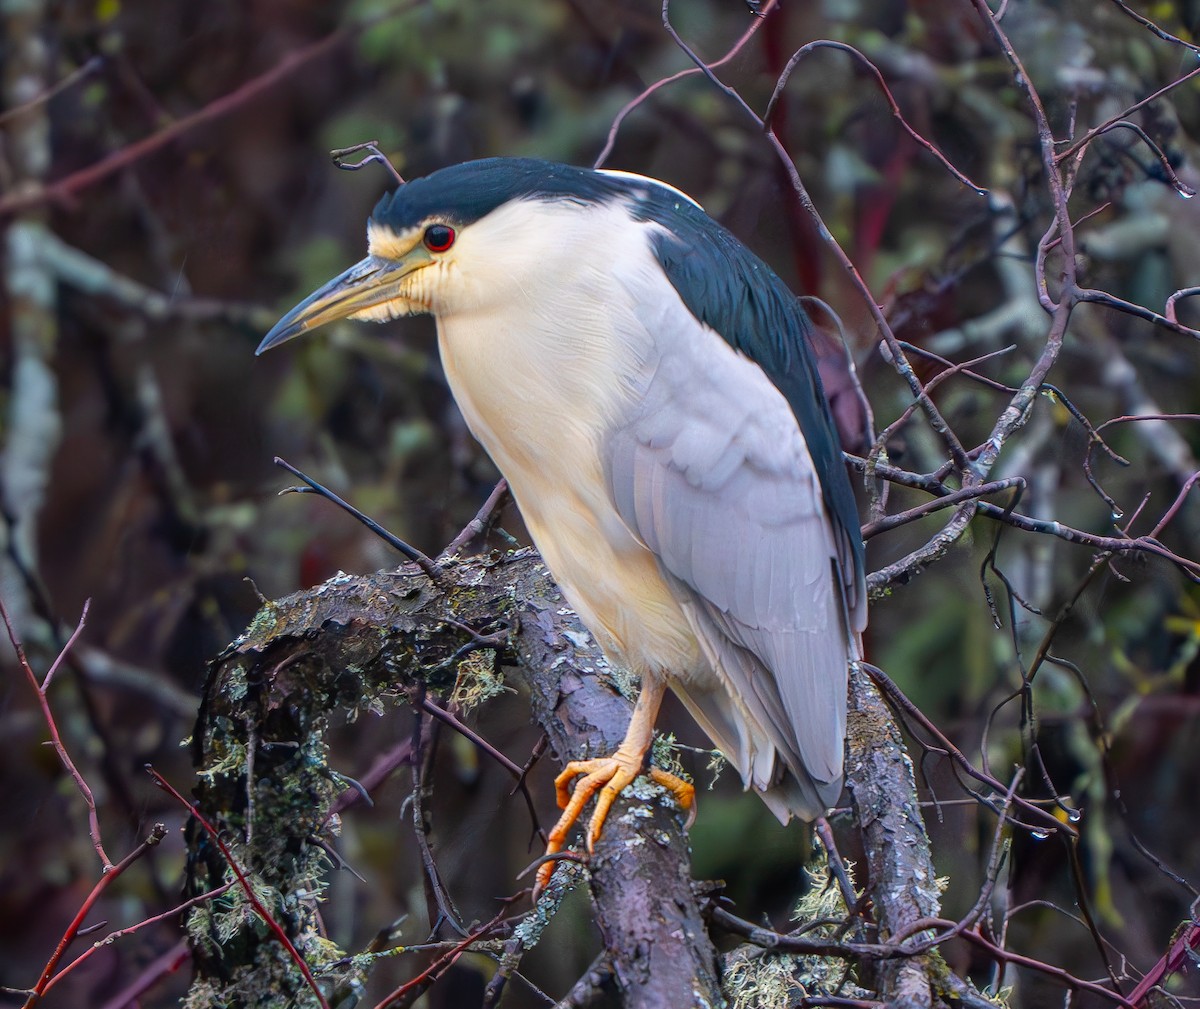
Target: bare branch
point(804, 50)
point(111, 873)
point(48, 716)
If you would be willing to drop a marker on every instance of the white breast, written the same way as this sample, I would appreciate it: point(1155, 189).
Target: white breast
point(541, 373)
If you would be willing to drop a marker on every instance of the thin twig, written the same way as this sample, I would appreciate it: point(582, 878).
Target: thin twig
point(422, 560)
point(859, 57)
point(1137, 311)
point(899, 700)
point(151, 975)
point(67, 188)
point(999, 852)
point(441, 964)
point(423, 757)
point(381, 769)
point(920, 511)
point(1154, 29)
point(442, 715)
point(482, 521)
point(52, 725)
point(112, 937)
point(157, 833)
point(374, 156)
point(1092, 134)
point(1164, 163)
point(1175, 959)
point(74, 77)
point(1186, 292)
point(633, 103)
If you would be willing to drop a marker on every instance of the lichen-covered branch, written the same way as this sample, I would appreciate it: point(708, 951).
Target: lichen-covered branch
point(899, 860)
point(347, 644)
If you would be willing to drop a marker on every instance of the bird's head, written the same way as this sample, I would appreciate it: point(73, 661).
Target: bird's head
point(472, 234)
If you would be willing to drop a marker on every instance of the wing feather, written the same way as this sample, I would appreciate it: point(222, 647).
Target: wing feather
point(714, 476)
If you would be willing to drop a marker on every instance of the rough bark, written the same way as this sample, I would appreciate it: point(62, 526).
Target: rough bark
point(344, 645)
point(903, 883)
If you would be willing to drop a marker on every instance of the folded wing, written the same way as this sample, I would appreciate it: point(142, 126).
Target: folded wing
point(713, 474)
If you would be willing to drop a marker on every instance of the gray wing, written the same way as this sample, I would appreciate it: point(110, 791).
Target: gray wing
point(713, 475)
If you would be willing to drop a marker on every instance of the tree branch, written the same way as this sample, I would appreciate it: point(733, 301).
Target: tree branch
point(353, 640)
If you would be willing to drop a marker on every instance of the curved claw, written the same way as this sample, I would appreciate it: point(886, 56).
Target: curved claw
point(684, 792)
point(607, 776)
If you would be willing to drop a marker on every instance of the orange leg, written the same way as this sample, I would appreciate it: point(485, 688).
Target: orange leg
point(608, 776)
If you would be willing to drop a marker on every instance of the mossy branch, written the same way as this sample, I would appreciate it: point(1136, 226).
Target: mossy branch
point(348, 644)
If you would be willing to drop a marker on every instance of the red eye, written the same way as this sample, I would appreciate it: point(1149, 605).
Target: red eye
point(439, 237)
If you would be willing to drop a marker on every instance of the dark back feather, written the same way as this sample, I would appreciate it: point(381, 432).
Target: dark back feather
point(735, 293)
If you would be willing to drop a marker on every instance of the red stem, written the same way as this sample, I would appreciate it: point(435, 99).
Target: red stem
point(156, 835)
point(1171, 961)
point(253, 900)
point(66, 188)
point(442, 962)
point(113, 936)
point(52, 726)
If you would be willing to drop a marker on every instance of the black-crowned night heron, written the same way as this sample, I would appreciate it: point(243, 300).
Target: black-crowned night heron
point(646, 386)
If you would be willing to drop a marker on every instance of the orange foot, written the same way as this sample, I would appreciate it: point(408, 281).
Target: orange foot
point(608, 776)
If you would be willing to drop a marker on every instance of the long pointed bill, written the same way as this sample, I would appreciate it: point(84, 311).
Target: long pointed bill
point(365, 285)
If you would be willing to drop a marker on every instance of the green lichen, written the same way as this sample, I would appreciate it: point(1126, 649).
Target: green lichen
point(664, 754)
point(947, 985)
point(264, 623)
point(479, 679)
point(235, 684)
point(567, 875)
point(231, 763)
point(268, 783)
point(764, 979)
point(717, 763)
point(754, 981)
point(1000, 998)
point(620, 678)
point(823, 898)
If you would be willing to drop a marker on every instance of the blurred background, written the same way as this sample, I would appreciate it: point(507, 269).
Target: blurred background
point(166, 192)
